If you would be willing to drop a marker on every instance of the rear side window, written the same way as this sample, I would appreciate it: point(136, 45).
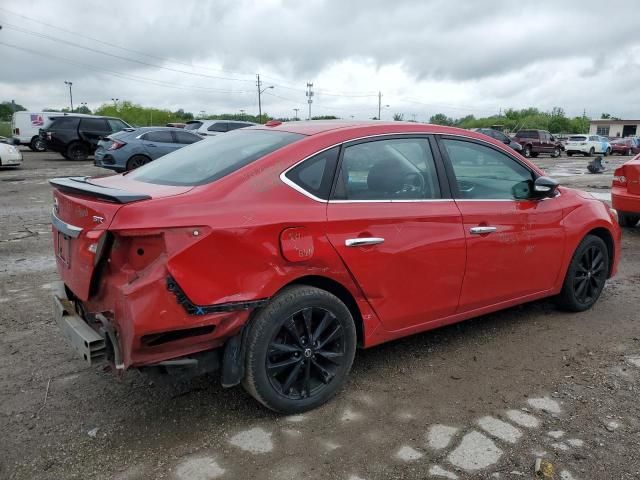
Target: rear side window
point(218, 127)
point(577, 138)
point(63, 123)
point(527, 134)
point(93, 124)
point(193, 125)
point(116, 125)
point(186, 138)
point(160, 136)
point(397, 169)
point(209, 160)
point(234, 126)
point(315, 175)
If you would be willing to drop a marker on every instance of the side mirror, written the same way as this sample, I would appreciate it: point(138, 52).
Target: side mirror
point(545, 187)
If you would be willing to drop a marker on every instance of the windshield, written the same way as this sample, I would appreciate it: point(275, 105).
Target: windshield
point(206, 161)
point(577, 139)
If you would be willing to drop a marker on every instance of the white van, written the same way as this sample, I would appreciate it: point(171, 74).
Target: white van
point(25, 128)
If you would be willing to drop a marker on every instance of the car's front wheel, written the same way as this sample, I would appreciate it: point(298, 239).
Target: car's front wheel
point(590, 152)
point(556, 152)
point(137, 161)
point(299, 350)
point(586, 276)
point(527, 151)
point(37, 144)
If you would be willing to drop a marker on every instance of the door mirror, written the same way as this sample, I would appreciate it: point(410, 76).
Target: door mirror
point(545, 187)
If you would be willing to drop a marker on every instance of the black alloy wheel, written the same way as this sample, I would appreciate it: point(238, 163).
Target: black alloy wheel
point(137, 161)
point(586, 275)
point(299, 349)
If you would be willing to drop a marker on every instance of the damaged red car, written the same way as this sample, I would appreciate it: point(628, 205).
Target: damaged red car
point(271, 253)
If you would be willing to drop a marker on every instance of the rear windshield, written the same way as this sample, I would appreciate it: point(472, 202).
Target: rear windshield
point(577, 138)
point(193, 125)
point(206, 161)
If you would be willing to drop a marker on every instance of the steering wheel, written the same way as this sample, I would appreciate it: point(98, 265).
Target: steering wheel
point(413, 182)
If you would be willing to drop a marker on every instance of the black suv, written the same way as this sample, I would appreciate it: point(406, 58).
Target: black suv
point(76, 136)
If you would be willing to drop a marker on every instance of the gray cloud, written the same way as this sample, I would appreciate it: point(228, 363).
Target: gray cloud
point(458, 57)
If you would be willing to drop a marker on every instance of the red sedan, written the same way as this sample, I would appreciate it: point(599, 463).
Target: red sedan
point(625, 192)
point(625, 146)
point(272, 252)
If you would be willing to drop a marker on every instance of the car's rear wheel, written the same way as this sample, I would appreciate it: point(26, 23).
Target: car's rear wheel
point(628, 219)
point(590, 152)
point(586, 276)
point(556, 152)
point(37, 145)
point(137, 161)
point(77, 151)
point(299, 350)
point(608, 152)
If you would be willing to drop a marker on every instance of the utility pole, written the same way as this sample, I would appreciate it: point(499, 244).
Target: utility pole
point(260, 92)
point(70, 94)
point(296, 110)
point(309, 95)
point(379, 105)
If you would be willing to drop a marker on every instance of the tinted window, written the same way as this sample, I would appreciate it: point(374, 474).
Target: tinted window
point(315, 175)
point(193, 125)
point(234, 126)
point(398, 169)
point(577, 138)
point(218, 127)
point(527, 134)
point(93, 124)
point(484, 173)
point(116, 125)
point(186, 138)
point(207, 161)
point(160, 136)
point(63, 123)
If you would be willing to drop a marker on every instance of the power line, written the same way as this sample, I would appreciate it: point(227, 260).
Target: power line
point(123, 75)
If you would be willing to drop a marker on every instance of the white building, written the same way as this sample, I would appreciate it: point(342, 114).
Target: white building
point(615, 128)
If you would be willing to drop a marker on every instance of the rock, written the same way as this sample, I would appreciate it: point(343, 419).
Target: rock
point(93, 432)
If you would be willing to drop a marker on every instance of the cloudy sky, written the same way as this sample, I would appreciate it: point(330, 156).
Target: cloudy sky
point(456, 57)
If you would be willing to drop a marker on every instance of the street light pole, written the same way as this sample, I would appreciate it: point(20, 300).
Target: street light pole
point(115, 102)
point(296, 110)
point(260, 92)
point(70, 94)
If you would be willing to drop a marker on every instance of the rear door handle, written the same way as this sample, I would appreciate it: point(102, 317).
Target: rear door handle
point(360, 242)
point(482, 230)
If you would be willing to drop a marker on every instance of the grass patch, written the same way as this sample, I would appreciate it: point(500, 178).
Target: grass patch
point(5, 129)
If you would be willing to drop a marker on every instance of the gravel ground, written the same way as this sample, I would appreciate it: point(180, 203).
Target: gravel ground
point(481, 399)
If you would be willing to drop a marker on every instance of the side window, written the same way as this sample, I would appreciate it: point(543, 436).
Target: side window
point(483, 173)
point(64, 123)
point(234, 126)
point(186, 138)
point(218, 127)
point(397, 169)
point(93, 125)
point(315, 175)
point(116, 125)
point(160, 136)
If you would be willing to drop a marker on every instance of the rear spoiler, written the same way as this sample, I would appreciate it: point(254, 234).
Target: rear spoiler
point(82, 186)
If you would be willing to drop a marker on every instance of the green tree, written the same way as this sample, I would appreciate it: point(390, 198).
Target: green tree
point(441, 119)
point(398, 117)
point(83, 109)
point(7, 109)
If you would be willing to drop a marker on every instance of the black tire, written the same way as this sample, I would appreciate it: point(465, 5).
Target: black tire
point(137, 161)
point(590, 153)
point(586, 276)
point(37, 145)
point(527, 151)
point(608, 152)
point(569, 154)
point(628, 219)
point(556, 153)
point(77, 151)
point(284, 370)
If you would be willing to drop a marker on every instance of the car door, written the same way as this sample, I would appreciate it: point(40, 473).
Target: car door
point(399, 233)
point(514, 243)
point(158, 143)
point(93, 129)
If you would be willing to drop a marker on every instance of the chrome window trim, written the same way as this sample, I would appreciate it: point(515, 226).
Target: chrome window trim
point(307, 194)
point(64, 227)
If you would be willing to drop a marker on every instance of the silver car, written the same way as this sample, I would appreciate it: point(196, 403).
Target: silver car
point(215, 127)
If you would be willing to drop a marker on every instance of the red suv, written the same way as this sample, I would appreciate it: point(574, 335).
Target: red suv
point(272, 252)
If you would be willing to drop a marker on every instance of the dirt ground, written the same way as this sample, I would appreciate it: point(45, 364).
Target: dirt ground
point(481, 399)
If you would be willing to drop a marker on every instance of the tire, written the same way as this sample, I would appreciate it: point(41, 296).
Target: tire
point(279, 355)
point(590, 153)
point(569, 154)
point(586, 276)
point(608, 152)
point(534, 154)
point(527, 151)
point(37, 145)
point(556, 153)
point(137, 161)
point(77, 151)
point(628, 219)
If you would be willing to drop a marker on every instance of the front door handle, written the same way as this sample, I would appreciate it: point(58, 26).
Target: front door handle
point(482, 230)
point(360, 242)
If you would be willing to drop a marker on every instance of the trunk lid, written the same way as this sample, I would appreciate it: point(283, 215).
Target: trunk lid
point(83, 209)
point(632, 172)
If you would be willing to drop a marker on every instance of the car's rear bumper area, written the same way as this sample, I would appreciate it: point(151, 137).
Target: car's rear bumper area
point(623, 201)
